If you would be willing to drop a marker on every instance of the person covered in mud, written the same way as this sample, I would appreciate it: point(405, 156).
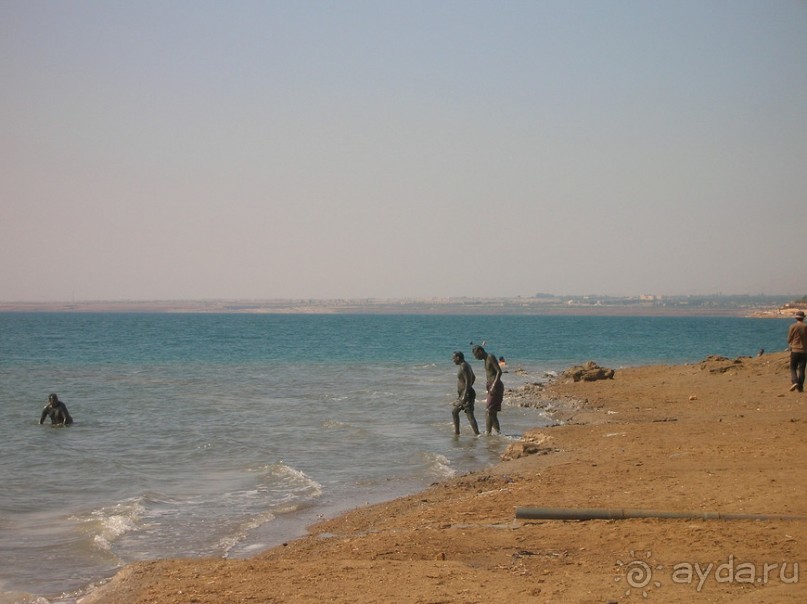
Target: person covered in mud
point(57, 411)
point(494, 386)
point(466, 395)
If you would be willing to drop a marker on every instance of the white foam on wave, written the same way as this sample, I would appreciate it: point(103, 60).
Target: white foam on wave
point(438, 465)
point(287, 489)
point(109, 523)
point(230, 542)
point(283, 478)
point(201, 523)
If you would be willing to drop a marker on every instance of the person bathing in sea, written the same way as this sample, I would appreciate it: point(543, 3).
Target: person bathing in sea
point(57, 411)
point(466, 395)
point(494, 386)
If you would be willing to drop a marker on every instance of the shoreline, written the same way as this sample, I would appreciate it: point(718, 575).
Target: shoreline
point(717, 436)
point(579, 306)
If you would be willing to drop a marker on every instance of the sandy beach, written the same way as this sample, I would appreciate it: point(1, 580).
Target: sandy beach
point(723, 436)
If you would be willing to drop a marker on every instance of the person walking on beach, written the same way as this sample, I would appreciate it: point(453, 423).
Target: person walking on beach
point(797, 342)
point(466, 395)
point(494, 387)
point(57, 411)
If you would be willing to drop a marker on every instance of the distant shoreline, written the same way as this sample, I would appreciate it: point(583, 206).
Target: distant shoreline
point(448, 306)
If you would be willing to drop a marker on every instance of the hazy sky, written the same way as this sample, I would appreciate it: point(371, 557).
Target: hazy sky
point(341, 149)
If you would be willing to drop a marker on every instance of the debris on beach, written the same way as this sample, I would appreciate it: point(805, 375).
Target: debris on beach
point(588, 372)
point(531, 444)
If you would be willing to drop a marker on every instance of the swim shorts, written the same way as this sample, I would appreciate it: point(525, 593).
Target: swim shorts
point(468, 404)
point(495, 397)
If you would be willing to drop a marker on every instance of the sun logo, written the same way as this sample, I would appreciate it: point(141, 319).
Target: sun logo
point(638, 572)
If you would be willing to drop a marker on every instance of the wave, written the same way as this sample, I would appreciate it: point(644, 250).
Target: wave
point(438, 465)
point(107, 524)
point(212, 522)
point(290, 490)
point(286, 484)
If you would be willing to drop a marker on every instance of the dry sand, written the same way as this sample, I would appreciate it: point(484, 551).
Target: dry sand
point(718, 436)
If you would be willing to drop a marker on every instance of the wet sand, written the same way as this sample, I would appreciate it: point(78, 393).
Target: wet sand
point(722, 436)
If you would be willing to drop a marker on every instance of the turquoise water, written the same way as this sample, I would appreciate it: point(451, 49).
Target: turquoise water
point(225, 434)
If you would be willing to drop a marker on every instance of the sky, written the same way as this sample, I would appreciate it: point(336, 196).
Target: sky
point(181, 150)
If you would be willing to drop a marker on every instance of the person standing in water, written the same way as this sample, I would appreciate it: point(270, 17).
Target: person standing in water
point(466, 395)
point(494, 387)
point(57, 411)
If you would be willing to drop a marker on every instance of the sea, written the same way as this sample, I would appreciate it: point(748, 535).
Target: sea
point(226, 434)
